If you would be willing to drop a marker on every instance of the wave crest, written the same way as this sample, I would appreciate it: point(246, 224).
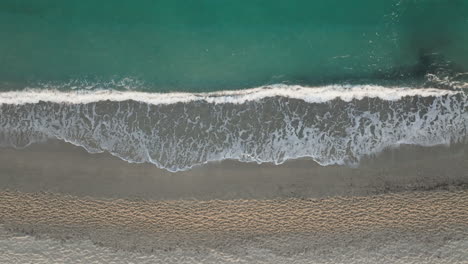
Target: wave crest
point(308, 94)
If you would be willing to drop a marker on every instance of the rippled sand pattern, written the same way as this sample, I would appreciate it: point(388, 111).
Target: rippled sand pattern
point(407, 210)
point(427, 221)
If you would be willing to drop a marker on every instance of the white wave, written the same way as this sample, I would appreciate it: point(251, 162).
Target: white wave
point(178, 137)
point(308, 94)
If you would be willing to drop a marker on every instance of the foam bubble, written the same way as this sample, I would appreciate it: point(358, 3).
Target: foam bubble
point(176, 131)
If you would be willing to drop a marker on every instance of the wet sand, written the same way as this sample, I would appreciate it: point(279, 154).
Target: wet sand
point(63, 168)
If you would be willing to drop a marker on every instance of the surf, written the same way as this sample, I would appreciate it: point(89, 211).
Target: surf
point(319, 94)
point(332, 125)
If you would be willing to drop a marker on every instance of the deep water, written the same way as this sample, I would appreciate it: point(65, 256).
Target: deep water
point(208, 45)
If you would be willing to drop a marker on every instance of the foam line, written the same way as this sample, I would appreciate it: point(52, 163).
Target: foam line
point(308, 94)
point(214, 127)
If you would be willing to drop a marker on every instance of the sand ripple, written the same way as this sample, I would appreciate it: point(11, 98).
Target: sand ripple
point(410, 224)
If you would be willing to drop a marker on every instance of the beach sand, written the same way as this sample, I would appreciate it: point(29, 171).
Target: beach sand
point(60, 204)
point(419, 227)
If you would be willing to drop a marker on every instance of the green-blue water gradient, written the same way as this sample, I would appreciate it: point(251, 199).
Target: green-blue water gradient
point(206, 45)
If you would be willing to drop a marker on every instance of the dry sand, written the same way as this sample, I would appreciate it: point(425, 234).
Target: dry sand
point(419, 223)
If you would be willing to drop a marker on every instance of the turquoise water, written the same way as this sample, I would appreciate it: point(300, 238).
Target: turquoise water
point(337, 81)
point(209, 45)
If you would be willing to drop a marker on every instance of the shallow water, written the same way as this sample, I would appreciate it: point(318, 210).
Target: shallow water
point(331, 125)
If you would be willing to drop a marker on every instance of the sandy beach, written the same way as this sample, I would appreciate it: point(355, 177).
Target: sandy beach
point(409, 226)
point(405, 205)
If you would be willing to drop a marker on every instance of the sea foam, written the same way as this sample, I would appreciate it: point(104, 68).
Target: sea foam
point(308, 94)
point(176, 131)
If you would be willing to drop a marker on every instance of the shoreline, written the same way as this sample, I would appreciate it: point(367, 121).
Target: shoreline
point(60, 167)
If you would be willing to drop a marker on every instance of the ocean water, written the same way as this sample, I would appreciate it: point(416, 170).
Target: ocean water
point(209, 45)
point(182, 83)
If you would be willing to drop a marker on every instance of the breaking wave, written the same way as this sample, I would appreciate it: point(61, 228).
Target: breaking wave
point(176, 131)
